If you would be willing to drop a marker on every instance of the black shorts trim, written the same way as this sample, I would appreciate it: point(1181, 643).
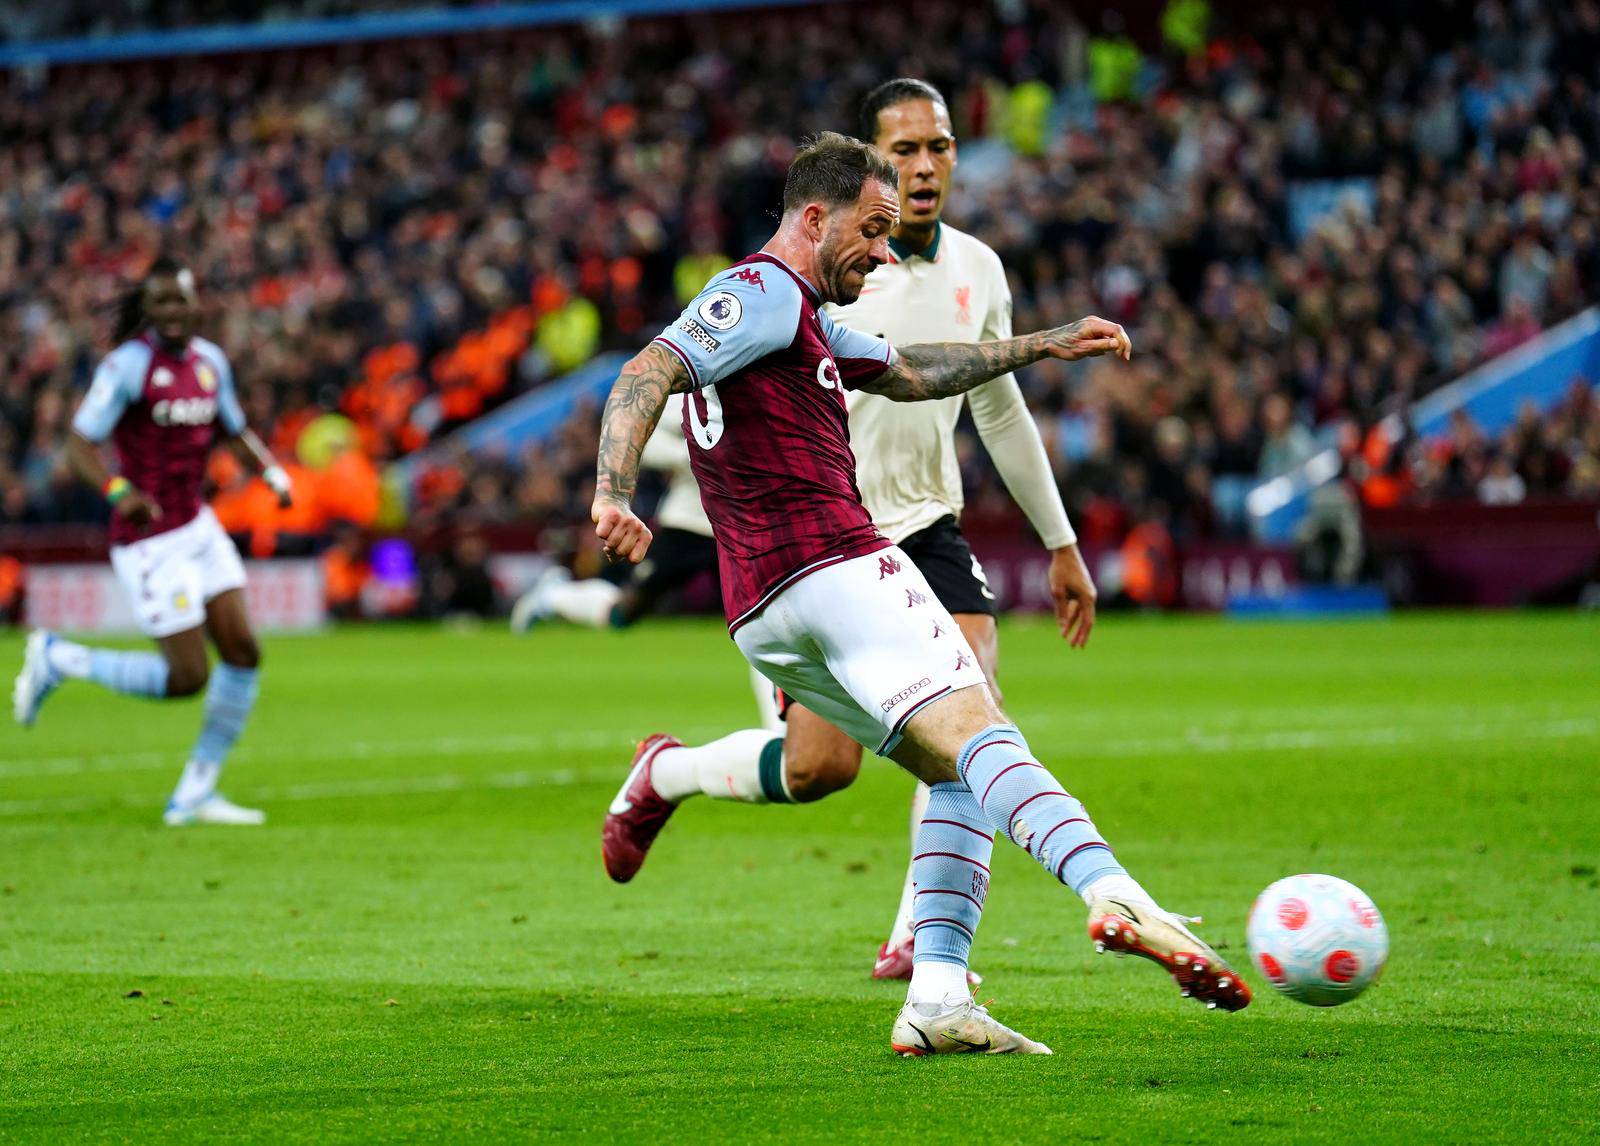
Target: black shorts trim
point(953, 573)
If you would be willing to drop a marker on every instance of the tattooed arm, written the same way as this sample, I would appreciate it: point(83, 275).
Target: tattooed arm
point(630, 418)
point(940, 369)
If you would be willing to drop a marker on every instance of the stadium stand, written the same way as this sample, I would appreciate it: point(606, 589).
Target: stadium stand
point(406, 234)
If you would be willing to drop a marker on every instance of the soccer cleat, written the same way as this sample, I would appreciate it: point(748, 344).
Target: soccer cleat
point(531, 607)
point(1161, 937)
point(214, 809)
point(36, 681)
point(895, 963)
point(962, 1027)
point(637, 815)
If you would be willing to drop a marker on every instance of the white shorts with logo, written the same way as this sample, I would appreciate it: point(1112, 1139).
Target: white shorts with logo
point(864, 644)
point(169, 577)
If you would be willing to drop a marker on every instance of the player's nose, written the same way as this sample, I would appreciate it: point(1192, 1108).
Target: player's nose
point(879, 251)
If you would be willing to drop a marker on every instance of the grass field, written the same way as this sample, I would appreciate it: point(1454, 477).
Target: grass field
point(422, 944)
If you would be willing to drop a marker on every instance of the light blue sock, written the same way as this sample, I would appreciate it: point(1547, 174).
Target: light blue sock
point(1021, 798)
point(229, 699)
point(950, 867)
point(132, 674)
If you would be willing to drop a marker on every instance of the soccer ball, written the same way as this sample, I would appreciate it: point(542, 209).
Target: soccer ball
point(1317, 939)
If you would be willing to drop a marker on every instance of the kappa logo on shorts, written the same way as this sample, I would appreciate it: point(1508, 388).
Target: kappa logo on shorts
point(937, 631)
point(962, 661)
point(700, 334)
point(888, 567)
point(906, 693)
point(914, 598)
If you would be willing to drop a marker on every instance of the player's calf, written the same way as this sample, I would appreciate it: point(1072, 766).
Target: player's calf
point(818, 759)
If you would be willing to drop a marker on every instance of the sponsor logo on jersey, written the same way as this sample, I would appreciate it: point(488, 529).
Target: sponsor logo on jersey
point(184, 412)
point(828, 375)
point(722, 311)
point(964, 305)
point(206, 376)
point(750, 275)
point(906, 693)
point(700, 334)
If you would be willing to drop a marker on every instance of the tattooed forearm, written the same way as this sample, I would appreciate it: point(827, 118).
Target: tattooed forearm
point(630, 417)
point(940, 369)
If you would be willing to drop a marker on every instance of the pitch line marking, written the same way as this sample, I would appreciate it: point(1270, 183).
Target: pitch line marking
point(1208, 743)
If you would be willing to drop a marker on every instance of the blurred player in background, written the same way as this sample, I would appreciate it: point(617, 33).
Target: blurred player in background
point(940, 284)
point(683, 549)
point(160, 397)
point(839, 617)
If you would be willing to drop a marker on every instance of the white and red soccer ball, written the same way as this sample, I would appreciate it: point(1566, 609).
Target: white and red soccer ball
point(1317, 939)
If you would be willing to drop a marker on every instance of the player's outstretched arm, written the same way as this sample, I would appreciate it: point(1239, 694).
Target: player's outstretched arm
point(630, 417)
point(939, 369)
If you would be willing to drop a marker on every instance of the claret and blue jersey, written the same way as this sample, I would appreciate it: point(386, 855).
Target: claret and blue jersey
point(161, 410)
point(768, 428)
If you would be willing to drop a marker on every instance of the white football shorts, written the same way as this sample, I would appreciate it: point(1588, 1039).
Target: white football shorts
point(863, 643)
point(170, 577)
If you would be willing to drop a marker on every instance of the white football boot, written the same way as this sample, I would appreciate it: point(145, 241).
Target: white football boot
point(960, 1026)
point(36, 681)
point(214, 809)
point(1163, 938)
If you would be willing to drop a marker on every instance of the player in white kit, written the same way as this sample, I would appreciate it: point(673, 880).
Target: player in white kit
point(940, 284)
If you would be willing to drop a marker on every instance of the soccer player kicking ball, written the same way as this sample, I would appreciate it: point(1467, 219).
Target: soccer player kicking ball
point(159, 396)
point(939, 283)
point(835, 614)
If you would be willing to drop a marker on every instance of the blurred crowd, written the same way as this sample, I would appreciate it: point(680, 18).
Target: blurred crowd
point(404, 235)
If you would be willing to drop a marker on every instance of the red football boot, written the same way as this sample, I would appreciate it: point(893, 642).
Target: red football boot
point(1162, 938)
point(637, 815)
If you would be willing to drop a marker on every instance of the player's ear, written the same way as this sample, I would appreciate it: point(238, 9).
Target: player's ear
point(815, 218)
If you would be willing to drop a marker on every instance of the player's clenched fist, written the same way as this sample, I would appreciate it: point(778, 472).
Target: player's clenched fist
point(1087, 338)
point(624, 536)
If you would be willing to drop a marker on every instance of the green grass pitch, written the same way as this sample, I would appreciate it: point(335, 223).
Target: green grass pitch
point(421, 943)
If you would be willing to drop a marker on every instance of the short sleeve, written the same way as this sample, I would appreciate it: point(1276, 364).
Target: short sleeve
point(743, 314)
point(229, 410)
point(860, 357)
point(116, 385)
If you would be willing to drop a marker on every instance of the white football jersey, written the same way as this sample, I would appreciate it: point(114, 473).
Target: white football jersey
point(906, 465)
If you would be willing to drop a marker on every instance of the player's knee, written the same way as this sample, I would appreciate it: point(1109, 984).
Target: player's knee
point(242, 652)
point(185, 678)
point(814, 775)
